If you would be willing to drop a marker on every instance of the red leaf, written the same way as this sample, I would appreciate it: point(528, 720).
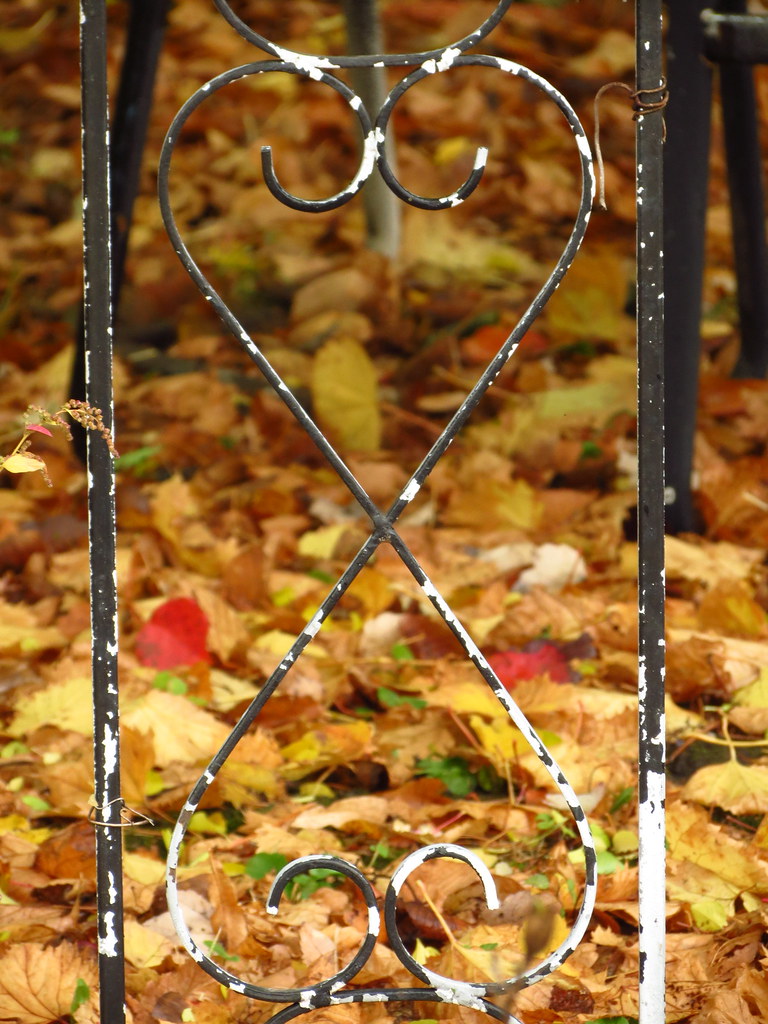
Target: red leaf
point(175, 635)
point(39, 428)
point(547, 660)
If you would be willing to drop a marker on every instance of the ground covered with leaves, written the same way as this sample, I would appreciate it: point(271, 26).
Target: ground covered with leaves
point(232, 529)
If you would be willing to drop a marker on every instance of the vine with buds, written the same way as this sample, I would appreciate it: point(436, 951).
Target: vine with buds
point(38, 421)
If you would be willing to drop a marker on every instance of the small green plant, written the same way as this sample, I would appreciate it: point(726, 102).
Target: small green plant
point(389, 699)
point(81, 995)
point(454, 773)
point(402, 652)
point(169, 682)
point(261, 864)
point(8, 139)
point(38, 421)
point(382, 853)
point(590, 450)
point(613, 1020)
point(623, 797)
point(141, 461)
point(303, 886)
point(216, 949)
point(457, 776)
point(548, 823)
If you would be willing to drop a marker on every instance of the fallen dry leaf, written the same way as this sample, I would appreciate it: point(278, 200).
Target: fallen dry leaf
point(38, 983)
point(738, 788)
point(345, 394)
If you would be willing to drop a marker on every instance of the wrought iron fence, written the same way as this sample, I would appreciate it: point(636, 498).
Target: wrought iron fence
point(383, 522)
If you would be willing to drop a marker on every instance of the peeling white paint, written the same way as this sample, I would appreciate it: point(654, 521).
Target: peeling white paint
point(109, 743)
point(305, 62)
point(411, 490)
point(313, 626)
point(374, 920)
point(108, 943)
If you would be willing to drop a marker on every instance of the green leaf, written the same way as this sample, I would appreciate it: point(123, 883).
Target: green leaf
point(540, 881)
point(453, 772)
point(622, 798)
point(590, 450)
point(170, 683)
point(608, 862)
point(36, 802)
point(389, 699)
point(613, 1020)
point(81, 995)
point(261, 864)
point(302, 886)
point(383, 853)
point(139, 459)
point(216, 949)
point(323, 577)
point(402, 652)
point(14, 749)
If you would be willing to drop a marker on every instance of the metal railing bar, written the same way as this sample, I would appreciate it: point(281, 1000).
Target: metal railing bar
point(377, 134)
point(97, 319)
point(332, 991)
point(650, 512)
point(313, 64)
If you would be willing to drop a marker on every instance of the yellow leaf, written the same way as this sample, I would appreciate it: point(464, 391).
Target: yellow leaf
point(496, 504)
point(738, 788)
point(20, 630)
point(345, 394)
point(709, 870)
point(329, 744)
point(321, 543)
point(180, 731)
point(596, 399)
point(143, 869)
point(37, 982)
point(67, 705)
point(705, 562)
point(612, 56)
point(451, 149)
point(756, 694)
point(445, 245)
point(143, 946)
point(227, 691)
point(239, 781)
point(519, 505)
point(500, 739)
point(709, 915)
point(590, 302)
point(467, 696)
point(278, 642)
point(730, 608)
point(373, 589)
point(422, 953)
point(21, 463)
point(226, 633)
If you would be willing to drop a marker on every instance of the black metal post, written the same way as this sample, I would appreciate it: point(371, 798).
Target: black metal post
point(745, 184)
point(650, 435)
point(97, 320)
point(144, 40)
point(686, 176)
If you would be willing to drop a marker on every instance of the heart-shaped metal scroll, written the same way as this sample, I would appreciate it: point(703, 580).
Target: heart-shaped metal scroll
point(438, 988)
